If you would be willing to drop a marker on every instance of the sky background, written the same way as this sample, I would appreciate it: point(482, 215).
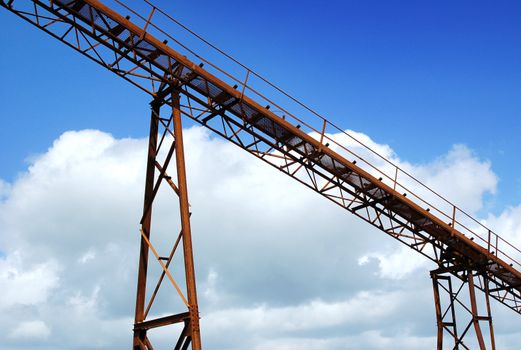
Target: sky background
point(417, 77)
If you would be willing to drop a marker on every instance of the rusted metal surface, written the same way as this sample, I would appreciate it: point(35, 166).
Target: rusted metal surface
point(193, 325)
point(139, 335)
point(390, 199)
point(166, 132)
point(456, 305)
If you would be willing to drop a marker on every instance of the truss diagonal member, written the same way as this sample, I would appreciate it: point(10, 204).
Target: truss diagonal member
point(169, 179)
point(162, 175)
point(167, 130)
point(182, 336)
point(141, 343)
point(148, 344)
point(158, 284)
point(165, 269)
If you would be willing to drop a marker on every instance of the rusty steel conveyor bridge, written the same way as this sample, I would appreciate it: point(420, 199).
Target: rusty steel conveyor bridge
point(246, 111)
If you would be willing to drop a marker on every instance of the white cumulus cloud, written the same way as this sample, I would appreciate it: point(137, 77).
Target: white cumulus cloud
point(25, 285)
point(278, 267)
point(30, 330)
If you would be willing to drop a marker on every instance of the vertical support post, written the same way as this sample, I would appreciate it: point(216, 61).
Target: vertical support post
point(185, 226)
point(489, 313)
point(395, 183)
point(437, 306)
point(139, 335)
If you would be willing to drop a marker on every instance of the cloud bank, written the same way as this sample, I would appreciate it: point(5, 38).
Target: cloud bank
point(278, 267)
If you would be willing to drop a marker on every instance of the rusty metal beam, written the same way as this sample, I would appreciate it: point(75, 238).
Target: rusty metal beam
point(139, 317)
point(162, 321)
point(194, 330)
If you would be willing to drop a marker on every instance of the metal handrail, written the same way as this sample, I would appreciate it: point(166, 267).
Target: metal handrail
point(398, 178)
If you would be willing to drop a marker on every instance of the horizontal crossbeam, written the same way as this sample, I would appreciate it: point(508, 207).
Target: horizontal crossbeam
point(162, 321)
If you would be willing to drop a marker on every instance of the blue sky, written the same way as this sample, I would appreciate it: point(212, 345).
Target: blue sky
point(417, 75)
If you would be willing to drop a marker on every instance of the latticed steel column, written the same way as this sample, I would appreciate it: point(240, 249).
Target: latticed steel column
point(454, 302)
point(445, 318)
point(171, 132)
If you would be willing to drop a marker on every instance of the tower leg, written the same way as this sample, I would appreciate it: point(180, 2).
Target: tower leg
point(171, 132)
point(445, 317)
point(452, 301)
point(139, 336)
point(185, 226)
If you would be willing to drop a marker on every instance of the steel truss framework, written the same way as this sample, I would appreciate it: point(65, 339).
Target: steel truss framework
point(171, 138)
point(454, 297)
point(130, 52)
